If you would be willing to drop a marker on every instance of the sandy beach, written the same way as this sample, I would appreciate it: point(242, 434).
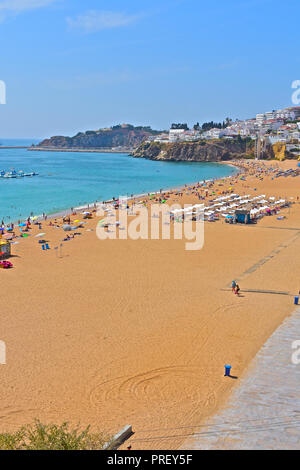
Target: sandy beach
point(119, 332)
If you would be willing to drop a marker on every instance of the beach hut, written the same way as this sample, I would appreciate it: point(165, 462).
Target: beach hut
point(5, 248)
point(242, 216)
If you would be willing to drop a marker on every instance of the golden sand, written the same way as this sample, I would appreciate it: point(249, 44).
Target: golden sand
point(138, 332)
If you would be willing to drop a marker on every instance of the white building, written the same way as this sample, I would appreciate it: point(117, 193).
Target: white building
point(273, 139)
point(260, 118)
point(214, 133)
point(176, 135)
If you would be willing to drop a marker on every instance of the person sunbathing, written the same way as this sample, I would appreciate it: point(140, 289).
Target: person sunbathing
point(68, 237)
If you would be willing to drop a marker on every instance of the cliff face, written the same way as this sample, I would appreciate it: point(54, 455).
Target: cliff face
point(106, 138)
point(202, 151)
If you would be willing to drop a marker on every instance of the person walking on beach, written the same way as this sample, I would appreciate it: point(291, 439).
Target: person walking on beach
point(233, 286)
point(237, 289)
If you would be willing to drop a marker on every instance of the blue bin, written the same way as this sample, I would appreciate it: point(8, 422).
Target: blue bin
point(296, 300)
point(227, 371)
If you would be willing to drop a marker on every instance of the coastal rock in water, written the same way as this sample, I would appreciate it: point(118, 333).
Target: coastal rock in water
point(201, 151)
point(118, 136)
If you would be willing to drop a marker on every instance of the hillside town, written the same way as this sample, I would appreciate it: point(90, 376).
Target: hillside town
point(277, 126)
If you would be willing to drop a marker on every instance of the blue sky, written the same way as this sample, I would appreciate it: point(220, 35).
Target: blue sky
point(71, 65)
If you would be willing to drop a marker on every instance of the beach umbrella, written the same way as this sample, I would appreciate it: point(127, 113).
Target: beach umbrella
point(40, 235)
point(22, 225)
point(67, 228)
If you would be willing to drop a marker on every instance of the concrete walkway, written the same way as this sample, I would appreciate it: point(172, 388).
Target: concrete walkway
point(264, 410)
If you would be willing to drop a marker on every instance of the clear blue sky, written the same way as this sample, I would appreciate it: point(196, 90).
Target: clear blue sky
point(71, 65)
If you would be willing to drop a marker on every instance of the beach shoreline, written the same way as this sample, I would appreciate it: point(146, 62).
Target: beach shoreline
point(61, 208)
point(91, 205)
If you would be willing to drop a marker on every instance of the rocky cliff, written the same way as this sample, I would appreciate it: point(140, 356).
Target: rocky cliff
point(128, 137)
point(201, 151)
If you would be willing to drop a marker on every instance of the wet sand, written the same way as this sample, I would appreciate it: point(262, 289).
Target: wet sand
point(123, 332)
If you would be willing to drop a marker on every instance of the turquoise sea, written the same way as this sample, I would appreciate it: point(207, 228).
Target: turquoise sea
point(73, 179)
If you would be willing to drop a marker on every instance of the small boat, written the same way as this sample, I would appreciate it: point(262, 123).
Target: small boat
point(10, 174)
point(31, 174)
point(14, 174)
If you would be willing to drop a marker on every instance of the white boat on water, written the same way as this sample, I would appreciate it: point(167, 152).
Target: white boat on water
point(14, 174)
point(31, 174)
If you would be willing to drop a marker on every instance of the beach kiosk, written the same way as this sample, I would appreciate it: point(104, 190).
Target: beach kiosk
point(5, 249)
point(242, 216)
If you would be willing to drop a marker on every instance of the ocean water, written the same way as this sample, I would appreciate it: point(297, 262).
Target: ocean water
point(73, 179)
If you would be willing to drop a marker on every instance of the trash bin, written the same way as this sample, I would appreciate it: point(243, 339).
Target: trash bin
point(227, 370)
point(296, 300)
